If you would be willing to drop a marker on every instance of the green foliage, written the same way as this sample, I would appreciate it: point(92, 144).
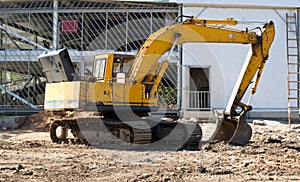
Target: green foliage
point(169, 94)
point(11, 77)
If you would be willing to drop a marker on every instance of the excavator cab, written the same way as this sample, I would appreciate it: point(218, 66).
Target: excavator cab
point(107, 66)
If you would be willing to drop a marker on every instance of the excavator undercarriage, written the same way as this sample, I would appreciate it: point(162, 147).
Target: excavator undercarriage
point(145, 134)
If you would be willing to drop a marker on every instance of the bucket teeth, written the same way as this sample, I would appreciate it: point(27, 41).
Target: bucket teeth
point(236, 131)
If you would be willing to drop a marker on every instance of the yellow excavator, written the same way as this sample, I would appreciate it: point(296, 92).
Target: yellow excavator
point(122, 90)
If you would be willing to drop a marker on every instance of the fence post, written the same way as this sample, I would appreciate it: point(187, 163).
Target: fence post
point(55, 25)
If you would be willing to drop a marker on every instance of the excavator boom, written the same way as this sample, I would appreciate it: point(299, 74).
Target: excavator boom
point(191, 30)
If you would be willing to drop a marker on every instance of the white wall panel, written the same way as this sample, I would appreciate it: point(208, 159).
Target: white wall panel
point(226, 60)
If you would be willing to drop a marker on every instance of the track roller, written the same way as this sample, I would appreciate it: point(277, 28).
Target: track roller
point(58, 132)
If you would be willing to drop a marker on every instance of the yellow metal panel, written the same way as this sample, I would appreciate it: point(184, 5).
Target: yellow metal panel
point(53, 89)
point(90, 92)
point(73, 95)
point(119, 93)
point(134, 94)
point(108, 68)
point(65, 95)
point(102, 92)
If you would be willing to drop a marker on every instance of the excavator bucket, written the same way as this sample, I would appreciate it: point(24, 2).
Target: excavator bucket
point(243, 132)
point(236, 131)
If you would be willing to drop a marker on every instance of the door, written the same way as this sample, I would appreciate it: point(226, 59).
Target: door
point(199, 91)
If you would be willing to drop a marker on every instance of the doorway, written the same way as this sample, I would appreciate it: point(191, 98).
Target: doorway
point(199, 90)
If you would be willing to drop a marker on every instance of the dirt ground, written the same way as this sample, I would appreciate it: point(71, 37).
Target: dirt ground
point(272, 155)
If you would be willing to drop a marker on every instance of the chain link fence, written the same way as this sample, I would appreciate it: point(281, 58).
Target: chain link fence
point(85, 28)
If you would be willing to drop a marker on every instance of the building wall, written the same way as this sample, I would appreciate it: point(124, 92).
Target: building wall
point(225, 61)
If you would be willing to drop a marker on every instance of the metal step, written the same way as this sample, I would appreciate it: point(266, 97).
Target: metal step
point(293, 59)
point(293, 107)
point(294, 73)
point(294, 81)
point(293, 63)
point(294, 98)
point(293, 89)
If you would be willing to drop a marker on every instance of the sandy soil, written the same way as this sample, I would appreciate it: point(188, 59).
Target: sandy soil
point(273, 154)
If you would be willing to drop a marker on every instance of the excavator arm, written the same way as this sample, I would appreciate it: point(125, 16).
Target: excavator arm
point(253, 66)
point(233, 127)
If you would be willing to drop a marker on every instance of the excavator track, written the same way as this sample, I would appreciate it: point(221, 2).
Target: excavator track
point(176, 136)
point(193, 141)
point(59, 132)
point(114, 134)
point(92, 131)
point(142, 132)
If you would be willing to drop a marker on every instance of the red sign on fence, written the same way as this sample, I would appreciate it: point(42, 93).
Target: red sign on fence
point(69, 26)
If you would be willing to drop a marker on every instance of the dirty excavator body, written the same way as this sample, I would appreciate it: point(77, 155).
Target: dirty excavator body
point(122, 90)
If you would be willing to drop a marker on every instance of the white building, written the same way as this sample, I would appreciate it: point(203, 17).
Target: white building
point(222, 62)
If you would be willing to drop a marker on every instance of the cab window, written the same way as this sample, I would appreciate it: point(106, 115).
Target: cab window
point(121, 65)
point(99, 68)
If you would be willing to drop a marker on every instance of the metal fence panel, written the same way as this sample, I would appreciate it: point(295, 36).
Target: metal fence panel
point(85, 28)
